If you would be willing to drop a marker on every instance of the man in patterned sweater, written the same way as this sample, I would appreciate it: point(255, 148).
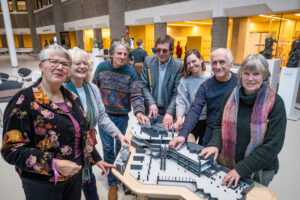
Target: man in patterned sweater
point(119, 89)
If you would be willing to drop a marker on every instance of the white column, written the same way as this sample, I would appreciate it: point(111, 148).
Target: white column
point(288, 88)
point(9, 34)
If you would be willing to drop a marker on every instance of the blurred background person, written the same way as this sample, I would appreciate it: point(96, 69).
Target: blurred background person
point(178, 50)
point(138, 55)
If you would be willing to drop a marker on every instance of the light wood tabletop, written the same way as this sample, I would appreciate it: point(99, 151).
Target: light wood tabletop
point(258, 192)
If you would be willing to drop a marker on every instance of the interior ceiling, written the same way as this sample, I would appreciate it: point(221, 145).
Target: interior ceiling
point(255, 19)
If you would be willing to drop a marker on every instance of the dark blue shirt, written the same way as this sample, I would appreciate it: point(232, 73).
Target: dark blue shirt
point(138, 55)
point(210, 93)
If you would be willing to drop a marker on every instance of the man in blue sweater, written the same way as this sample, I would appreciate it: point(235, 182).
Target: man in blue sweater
point(210, 93)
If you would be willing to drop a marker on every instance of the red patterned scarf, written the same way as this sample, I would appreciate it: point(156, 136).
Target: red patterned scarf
point(262, 107)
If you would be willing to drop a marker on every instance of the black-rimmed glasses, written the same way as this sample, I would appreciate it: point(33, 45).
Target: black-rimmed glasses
point(55, 63)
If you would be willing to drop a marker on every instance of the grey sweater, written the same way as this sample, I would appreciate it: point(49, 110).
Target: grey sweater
point(186, 93)
point(103, 120)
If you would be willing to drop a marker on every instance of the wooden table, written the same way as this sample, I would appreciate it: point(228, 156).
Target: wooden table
point(258, 192)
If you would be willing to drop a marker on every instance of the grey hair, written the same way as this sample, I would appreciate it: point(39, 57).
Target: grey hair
point(54, 50)
point(254, 62)
point(77, 54)
point(118, 43)
point(228, 54)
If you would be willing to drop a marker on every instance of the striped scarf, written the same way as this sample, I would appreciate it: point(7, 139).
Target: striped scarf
point(262, 107)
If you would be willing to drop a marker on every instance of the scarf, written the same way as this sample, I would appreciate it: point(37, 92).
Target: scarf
point(263, 105)
point(91, 115)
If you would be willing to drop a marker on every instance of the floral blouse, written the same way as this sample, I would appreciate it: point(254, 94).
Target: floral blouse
point(36, 130)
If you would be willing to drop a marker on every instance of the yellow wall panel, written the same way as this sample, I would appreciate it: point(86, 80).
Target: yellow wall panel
point(106, 38)
point(0, 44)
point(72, 39)
point(88, 36)
point(259, 27)
point(16, 41)
point(27, 41)
point(47, 37)
point(137, 32)
point(149, 41)
point(205, 32)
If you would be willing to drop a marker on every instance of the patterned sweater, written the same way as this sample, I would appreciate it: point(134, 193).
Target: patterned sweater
point(119, 89)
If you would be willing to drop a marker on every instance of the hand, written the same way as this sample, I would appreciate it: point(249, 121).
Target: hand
point(124, 140)
point(67, 168)
point(209, 151)
point(168, 121)
point(153, 111)
point(177, 142)
point(104, 166)
point(178, 124)
point(143, 119)
point(232, 176)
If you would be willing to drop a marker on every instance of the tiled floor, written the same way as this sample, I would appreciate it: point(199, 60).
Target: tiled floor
point(285, 184)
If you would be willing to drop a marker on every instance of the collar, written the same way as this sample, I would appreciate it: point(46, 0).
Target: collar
point(40, 97)
point(166, 64)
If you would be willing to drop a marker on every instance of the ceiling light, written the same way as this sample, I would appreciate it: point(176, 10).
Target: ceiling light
point(273, 17)
point(208, 23)
point(179, 25)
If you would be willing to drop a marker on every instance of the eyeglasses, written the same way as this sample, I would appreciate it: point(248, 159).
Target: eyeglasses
point(164, 51)
point(55, 63)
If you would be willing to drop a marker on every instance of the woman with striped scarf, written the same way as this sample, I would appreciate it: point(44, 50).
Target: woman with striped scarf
point(250, 129)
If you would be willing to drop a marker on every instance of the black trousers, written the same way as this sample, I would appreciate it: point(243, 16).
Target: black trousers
point(199, 130)
point(44, 190)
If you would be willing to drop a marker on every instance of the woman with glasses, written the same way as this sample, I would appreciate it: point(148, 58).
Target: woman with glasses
point(194, 74)
point(46, 134)
point(249, 132)
point(90, 99)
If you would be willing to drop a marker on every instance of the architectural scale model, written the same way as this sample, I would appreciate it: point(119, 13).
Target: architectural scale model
point(155, 163)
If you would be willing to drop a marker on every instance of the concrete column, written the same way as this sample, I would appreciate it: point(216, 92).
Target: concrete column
point(240, 33)
point(98, 34)
point(21, 41)
point(14, 5)
point(79, 39)
point(9, 33)
point(3, 41)
point(58, 18)
point(219, 32)
point(116, 9)
point(159, 29)
point(36, 39)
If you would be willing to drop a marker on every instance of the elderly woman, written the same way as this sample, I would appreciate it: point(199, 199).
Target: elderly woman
point(250, 129)
point(194, 74)
point(90, 99)
point(46, 133)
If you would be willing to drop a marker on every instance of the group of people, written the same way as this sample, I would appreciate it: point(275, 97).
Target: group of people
point(49, 128)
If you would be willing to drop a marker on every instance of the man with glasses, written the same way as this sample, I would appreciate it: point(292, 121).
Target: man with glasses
point(159, 80)
point(210, 93)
